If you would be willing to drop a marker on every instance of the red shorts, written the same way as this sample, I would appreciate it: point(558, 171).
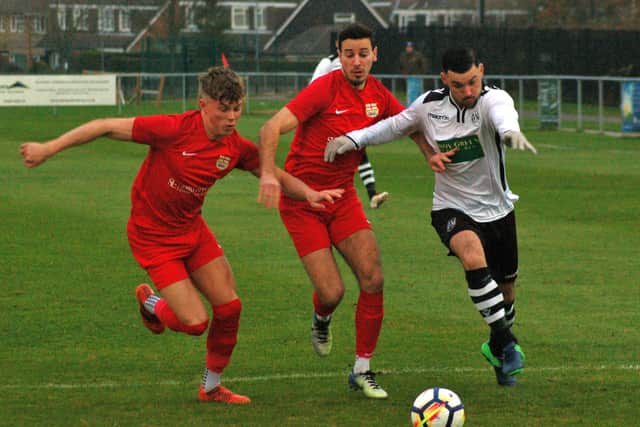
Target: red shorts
point(170, 258)
point(313, 229)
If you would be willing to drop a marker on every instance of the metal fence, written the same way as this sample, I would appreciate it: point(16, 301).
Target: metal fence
point(583, 102)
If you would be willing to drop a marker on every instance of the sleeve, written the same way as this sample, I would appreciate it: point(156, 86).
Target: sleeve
point(502, 113)
point(249, 155)
point(403, 123)
point(153, 130)
point(312, 99)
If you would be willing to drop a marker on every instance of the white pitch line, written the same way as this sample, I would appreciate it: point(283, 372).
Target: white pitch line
point(294, 376)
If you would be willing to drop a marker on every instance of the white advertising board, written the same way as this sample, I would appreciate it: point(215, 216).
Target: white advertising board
point(60, 90)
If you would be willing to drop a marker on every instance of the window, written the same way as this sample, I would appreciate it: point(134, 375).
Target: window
point(239, 18)
point(106, 19)
point(190, 17)
point(344, 18)
point(2, 30)
point(406, 20)
point(259, 19)
point(80, 18)
point(17, 24)
point(62, 18)
point(39, 24)
point(124, 21)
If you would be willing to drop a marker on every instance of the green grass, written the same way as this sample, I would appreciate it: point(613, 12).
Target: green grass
point(74, 352)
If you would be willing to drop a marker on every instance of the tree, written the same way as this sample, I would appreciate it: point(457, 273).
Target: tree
point(588, 14)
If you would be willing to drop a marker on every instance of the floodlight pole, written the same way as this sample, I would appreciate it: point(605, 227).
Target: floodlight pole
point(255, 28)
point(480, 12)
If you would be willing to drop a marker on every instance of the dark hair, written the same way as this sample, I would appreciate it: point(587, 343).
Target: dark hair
point(355, 31)
point(221, 84)
point(459, 60)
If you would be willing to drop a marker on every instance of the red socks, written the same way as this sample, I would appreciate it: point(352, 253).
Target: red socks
point(369, 315)
point(223, 334)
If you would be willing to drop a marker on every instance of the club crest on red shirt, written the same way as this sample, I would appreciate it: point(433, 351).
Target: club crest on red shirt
point(372, 110)
point(223, 162)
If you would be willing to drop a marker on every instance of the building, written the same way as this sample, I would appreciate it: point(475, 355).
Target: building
point(55, 30)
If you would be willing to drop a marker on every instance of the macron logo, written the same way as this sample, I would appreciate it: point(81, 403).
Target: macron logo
point(188, 154)
point(338, 112)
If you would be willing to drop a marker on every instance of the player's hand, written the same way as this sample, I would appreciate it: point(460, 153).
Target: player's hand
point(34, 154)
point(269, 194)
point(315, 198)
point(339, 145)
point(439, 161)
point(517, 141)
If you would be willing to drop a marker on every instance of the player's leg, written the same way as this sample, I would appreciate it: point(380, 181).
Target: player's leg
point(367, 175)
point(460, 234)
point(324, 274)
point(365, 170)
point(178, 305)
point(509, 293)
point(216, 282)
point(360, 251)
point(308, 231)
point(501, 249)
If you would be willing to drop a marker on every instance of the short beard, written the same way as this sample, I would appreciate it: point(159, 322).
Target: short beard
point(355, 83)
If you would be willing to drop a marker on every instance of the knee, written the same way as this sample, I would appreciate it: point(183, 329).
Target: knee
point(197, 328)
point(373, 283)
point(330, 297)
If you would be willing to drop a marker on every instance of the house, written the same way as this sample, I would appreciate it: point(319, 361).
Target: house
point(311, 28)
point(23, 23)
point(448, 13)
point(55, 29)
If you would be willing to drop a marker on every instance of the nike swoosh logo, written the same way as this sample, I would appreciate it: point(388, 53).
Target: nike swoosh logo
point(341, 111)
point(187, 154)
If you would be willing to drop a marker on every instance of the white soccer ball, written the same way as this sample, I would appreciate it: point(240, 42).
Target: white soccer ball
point(437, 407)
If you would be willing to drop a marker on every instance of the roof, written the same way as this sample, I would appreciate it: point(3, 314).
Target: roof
point(24, 6)
point(316, 22)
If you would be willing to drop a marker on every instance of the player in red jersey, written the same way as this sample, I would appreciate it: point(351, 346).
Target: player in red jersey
point(344, 99)
point(187, 154)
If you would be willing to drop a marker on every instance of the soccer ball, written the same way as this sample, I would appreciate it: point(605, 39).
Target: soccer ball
point(437, 407)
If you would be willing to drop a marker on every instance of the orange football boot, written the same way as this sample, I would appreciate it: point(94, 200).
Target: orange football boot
point(150, 320)
point(222, 394)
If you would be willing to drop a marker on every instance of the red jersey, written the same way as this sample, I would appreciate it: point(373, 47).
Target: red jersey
point(327, 108)
point(181, 166)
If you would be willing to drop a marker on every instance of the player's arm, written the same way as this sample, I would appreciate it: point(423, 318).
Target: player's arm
point(35, 153)
point(282, 122)
point(387, 130)
point(437, 160)
point(504, 117)
point(297, 189)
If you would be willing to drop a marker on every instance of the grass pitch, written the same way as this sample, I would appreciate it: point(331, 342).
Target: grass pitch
point(74, 352)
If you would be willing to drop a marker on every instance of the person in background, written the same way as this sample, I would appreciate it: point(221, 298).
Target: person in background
point(365, 169)
point(188, 153)
point(412, 63)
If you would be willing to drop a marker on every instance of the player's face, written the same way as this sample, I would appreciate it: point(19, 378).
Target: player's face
point(219, 117)
point(465, 87)
point(357, 57)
